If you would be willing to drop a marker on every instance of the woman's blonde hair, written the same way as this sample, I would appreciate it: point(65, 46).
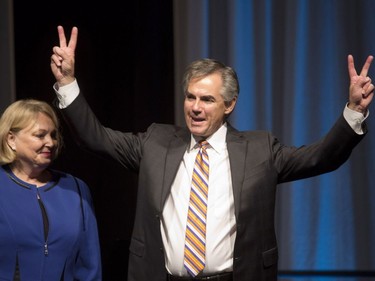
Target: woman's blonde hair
point(18, 116)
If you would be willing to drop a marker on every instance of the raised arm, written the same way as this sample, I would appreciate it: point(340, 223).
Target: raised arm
point(361, 90)
point(62, 59)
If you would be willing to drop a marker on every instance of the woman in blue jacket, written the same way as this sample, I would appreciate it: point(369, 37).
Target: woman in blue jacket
point(48, 229)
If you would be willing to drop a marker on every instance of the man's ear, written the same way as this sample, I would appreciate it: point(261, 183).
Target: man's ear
point(230, 106)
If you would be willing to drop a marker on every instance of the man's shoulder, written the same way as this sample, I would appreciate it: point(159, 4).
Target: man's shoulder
point(249, 134)
point(166, 128)
point(164, 133)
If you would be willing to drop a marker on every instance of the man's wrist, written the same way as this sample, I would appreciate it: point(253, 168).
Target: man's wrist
point(355, 118)
point(66, 94)
point(357, 108)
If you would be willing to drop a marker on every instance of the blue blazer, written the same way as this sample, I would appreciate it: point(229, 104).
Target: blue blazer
point(258, 162)
point(50, 232)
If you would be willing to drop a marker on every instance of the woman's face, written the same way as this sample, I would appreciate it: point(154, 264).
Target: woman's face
point(36, 144)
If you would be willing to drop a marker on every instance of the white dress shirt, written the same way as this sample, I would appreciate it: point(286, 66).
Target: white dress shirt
point(220, 224)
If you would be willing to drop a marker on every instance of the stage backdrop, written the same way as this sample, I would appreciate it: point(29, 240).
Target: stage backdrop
point(7, 72)
point(291, 59)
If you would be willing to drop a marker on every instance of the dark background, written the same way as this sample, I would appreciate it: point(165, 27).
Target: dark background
point(124, 66)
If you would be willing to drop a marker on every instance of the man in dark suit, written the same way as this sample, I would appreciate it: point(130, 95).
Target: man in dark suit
point(234, 226)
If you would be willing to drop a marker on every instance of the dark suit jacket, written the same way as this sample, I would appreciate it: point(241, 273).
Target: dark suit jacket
point(258, 162)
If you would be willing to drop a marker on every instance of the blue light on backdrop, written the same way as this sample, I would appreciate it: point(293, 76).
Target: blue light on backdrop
point(291, 59)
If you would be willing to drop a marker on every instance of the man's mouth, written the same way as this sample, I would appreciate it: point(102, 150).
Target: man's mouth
point(197, 120)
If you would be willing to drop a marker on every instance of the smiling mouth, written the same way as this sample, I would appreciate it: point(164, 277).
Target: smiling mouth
point(197, 123)
point(195, 119)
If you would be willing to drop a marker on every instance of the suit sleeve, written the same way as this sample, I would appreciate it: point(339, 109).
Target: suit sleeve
point(91, 135)
point(321, 157)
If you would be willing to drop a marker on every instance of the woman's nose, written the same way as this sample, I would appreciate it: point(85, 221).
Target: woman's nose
point(50, 141)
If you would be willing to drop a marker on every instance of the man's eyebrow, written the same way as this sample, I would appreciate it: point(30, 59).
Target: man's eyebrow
point(207, 97)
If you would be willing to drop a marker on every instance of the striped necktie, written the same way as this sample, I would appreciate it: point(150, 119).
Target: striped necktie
point(195, 240)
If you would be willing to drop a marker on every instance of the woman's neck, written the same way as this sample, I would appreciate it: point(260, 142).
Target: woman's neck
point(38, 176)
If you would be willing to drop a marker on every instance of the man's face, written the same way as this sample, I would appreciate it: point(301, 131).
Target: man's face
point(204, 107)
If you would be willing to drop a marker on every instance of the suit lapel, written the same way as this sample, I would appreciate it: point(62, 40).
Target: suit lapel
point(175, 153)
point(237, 146)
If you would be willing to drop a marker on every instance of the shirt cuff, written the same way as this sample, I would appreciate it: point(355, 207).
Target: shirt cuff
point(355, 119)
point(66, 94)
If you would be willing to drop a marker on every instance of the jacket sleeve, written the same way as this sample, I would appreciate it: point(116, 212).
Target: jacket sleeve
point(90, 134)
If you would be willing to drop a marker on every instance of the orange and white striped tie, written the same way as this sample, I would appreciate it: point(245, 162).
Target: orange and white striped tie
point(195, 240)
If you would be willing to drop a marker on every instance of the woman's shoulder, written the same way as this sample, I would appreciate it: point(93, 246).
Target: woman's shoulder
point(67, 178)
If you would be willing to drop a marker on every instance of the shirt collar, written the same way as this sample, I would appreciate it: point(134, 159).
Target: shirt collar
point(217, 140)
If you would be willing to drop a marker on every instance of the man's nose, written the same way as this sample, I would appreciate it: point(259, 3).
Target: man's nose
point(197, 106)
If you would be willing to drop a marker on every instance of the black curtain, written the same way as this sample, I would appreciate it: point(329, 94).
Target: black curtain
point(124, 66)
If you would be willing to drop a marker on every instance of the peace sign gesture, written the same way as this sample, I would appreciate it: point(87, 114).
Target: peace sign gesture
point(361, 90)
point(62, 59)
